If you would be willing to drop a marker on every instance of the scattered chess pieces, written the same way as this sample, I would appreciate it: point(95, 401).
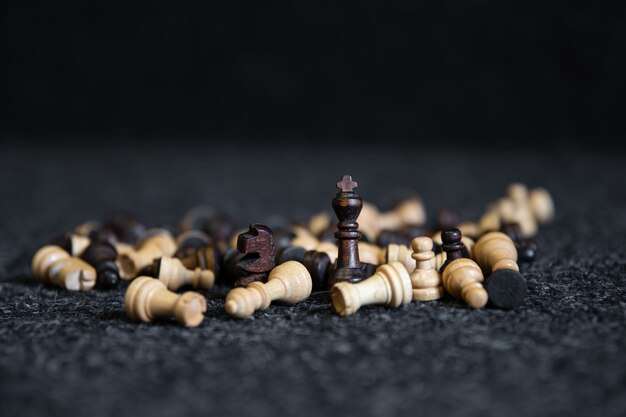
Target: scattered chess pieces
point(347, 206)
point(425, 279)
point(148, 299)
point(53, 265)
point(102, 255)
point(174, 275)
point(289, 283)
point(496, 255)
point(73, 243)
point(155, 244)
point(390, 285)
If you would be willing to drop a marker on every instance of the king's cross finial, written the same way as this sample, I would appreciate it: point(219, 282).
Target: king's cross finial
point(346, 184)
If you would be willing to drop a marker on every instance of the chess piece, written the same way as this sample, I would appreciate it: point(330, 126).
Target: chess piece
point(541, 205)
point(87, 228)
point(425, 279)
point(290, 253)
point(43, 259)
point(289, 283)
point(102, 255)
point(174, 275)
point(72, 243)
point(390, 285)
point(53, 265)
point(496, 255)
point(470, 229)
point(155, 244)
point(370, 253)
point(387, 237)
point(462, 278)
point(126, 227)
point(452, 245)
point(489, 221)
point(400, 253)
point(347, 206)
point(258, 246)
point(148, 299)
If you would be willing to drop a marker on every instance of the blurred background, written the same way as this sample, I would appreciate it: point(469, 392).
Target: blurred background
point(409, 73)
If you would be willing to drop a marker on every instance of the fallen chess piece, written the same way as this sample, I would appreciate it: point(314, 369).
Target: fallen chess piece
point(390, 285)
point(147, 299)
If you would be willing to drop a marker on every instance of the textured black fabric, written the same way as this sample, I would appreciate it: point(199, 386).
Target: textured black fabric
point(560, 353)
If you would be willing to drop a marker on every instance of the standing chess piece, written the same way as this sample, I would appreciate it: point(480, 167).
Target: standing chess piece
point(257, 247)
point(390, 285)
point(496, 255)
point(289, 283)
point(452, 245)
point(102, 255)
point(425, 279)
point(148, 299)
point(347, 206)
point(174, 275)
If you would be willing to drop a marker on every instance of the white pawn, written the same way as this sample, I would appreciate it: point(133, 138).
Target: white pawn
point(425, 279)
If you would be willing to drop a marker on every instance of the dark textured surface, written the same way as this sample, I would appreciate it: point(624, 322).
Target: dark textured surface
point(560, 353)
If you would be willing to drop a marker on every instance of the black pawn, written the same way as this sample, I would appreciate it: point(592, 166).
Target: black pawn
point(452, 245)
point(102, 255)
point(506, 289)
point(347, 206)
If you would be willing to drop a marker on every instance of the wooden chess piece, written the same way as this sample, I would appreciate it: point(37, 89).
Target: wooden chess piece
point(452, 245)
point(317, 263)
point(258, 246)
point(462, 278)
point(43, 259)
point(400, 253)
point(212, 222)
point(370, 253)
point(148, 299)
point(102, 255)
point(289, 283)
point(541, 205)
point(347, 206)
point(496, 255)
point(53, 265)
point(155, 244)
point(390, 285)
point(425, 279)
point(174, 275)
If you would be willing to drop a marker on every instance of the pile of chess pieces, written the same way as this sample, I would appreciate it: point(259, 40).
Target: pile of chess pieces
point(387, 258)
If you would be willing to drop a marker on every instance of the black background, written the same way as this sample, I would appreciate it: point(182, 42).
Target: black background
point(463, 72)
